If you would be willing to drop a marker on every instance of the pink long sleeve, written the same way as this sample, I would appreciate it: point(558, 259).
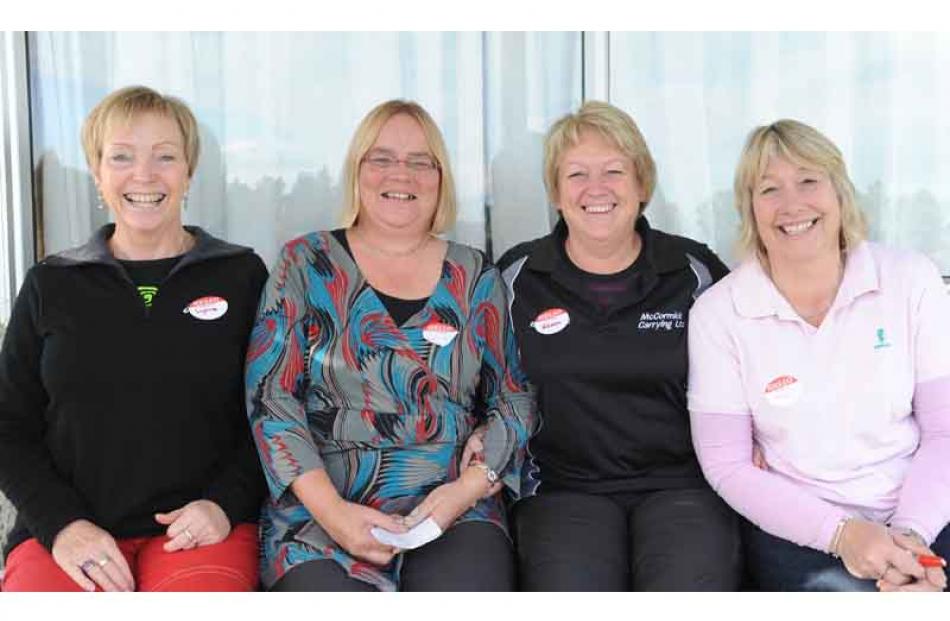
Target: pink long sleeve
point(924, 503)
point(723, 444)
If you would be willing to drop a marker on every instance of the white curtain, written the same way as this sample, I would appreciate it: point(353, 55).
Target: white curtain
point(532, 81)
point(277, 110)
point(881, 97)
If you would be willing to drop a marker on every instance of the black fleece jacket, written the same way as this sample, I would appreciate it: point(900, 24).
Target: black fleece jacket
point(112, 412)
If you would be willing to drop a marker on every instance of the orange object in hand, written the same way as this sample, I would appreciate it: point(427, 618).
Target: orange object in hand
point(930, 560)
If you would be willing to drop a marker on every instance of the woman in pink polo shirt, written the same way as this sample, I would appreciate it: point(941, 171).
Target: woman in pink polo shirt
point(825, 356)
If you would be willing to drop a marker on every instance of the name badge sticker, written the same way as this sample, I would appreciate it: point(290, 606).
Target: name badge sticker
point(784, 391)
point(439, 333)
point(208, 308)
point(551, 321)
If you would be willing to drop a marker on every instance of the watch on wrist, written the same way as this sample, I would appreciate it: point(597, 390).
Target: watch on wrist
point(490, 474)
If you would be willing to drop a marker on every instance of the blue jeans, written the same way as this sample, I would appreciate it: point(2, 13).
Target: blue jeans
point(776, 564)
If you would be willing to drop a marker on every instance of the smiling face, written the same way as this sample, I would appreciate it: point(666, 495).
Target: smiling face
point(143, 174)
point(797, 212)
point(397, 192)
point(599, 192)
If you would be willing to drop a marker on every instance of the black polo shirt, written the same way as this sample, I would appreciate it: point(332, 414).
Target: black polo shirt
point(610, 372)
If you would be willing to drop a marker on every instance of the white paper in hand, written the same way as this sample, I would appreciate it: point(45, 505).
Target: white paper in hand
point(419, 535)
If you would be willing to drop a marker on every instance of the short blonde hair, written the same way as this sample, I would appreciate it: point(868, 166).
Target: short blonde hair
point(125, 104)
point(803, 145)
point(362, 141)
point(615, 126)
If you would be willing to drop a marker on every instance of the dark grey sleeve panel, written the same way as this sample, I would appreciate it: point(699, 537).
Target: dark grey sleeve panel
point(708, 269)
point(510, 275)
point(704, 277)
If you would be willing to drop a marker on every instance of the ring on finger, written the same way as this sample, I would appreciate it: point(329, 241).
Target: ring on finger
point(191, 538)
point(105, 560)
point(88, 565)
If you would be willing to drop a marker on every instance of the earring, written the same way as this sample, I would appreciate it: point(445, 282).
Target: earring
point(100, 204)
point(184, 201)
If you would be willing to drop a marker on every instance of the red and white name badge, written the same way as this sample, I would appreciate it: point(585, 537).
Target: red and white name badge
point(207, 308)
point(551, 321)
point(439, 333)
point(783, 391)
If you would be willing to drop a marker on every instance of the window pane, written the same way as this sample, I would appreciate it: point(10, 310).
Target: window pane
point(532, 79)
point(277, 110)
point(881, 97)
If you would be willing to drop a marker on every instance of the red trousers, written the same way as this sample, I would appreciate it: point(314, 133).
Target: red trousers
point(231, 565)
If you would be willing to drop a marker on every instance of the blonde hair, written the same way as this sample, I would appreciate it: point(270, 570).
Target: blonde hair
point(803, 145)
point(615, 126)
point(362, 141)
point(125, 104)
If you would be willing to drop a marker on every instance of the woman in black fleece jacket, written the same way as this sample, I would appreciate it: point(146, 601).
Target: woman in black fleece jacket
point(124, 443)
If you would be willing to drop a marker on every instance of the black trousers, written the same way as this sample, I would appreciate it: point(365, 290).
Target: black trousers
point(671, 540)
point(472, 556)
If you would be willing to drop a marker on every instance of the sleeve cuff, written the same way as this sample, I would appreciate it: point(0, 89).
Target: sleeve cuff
point(239, 504)
point(46, 530)
point(279, 481)
point(905, 523)
point(829, 525)
point(498, 445)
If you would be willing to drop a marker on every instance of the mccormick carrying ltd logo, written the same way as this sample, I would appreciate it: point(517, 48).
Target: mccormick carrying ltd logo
point(661, 321)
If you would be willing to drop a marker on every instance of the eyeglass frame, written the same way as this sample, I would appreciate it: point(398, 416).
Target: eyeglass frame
point(395, 161)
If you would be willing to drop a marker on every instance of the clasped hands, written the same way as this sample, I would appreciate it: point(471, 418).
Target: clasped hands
point(349, 523)
point(872, 551)
point(91, 557)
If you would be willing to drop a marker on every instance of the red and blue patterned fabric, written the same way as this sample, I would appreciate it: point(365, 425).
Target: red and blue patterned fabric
point(386, 410)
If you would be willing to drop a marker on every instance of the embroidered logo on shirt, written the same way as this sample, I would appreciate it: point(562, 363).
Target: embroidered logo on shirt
point(661, 321)
point(207, 308)
point(881, 339)
point(148, 293)
point(783, 391)
point(439, 333)
point(551, 321)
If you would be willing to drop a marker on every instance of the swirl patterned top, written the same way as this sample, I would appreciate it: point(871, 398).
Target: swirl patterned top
point(334, 383)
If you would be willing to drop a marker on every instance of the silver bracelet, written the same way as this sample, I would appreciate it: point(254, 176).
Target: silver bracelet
point(836, 538)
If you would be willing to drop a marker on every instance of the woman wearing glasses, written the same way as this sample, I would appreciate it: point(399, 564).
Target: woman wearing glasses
point(377, 349)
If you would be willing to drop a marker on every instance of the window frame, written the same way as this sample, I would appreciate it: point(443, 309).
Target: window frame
point(18, 249)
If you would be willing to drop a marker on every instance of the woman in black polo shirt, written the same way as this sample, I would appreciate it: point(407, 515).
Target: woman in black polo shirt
point(613, 496)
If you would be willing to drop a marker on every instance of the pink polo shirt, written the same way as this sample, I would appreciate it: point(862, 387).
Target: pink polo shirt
point(853, 417)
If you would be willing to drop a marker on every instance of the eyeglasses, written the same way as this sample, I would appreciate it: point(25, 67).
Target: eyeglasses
point(415, 163)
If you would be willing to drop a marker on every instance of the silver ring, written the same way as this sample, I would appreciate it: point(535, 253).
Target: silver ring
point(105, 560)
point(191, 538)
point(87, 565)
